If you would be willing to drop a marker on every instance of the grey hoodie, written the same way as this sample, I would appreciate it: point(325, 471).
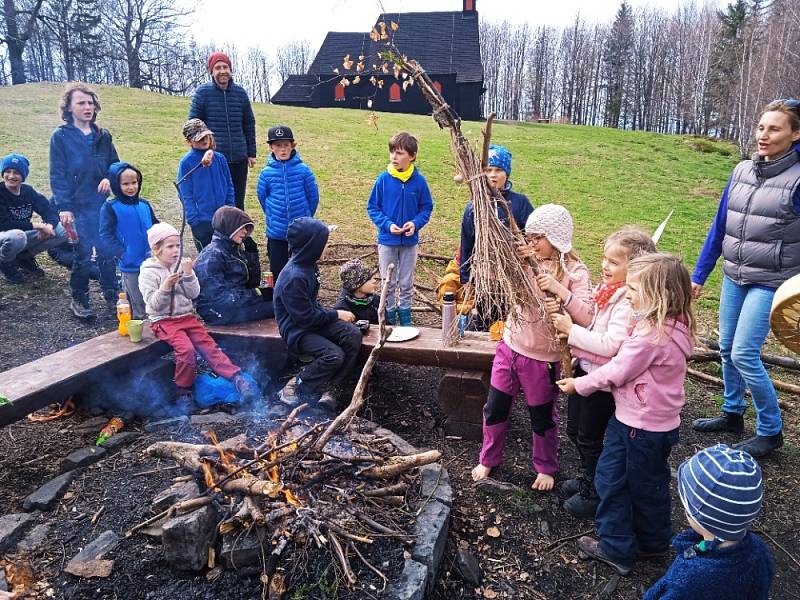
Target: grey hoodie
point(157, 302)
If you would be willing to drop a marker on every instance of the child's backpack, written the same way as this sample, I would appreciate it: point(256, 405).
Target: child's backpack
point(210, 390)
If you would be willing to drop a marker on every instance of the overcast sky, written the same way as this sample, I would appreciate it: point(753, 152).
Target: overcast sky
point(269, 23)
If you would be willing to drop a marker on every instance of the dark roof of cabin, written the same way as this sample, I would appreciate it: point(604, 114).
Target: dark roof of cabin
point(336, 46)
point(296, 88)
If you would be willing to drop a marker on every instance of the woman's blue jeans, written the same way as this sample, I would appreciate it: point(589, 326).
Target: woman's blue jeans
point(743, 327)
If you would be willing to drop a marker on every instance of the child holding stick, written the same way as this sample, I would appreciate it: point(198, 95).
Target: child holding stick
point(593, 346)
point(646, 378)
point(528, 357)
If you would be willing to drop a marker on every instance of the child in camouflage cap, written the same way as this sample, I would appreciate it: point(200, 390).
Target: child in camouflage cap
point(358, 293)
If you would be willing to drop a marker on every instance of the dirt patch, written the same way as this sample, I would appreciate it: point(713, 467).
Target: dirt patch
point(531, 558)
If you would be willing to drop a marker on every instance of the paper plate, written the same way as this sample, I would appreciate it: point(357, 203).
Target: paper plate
point(403, 334)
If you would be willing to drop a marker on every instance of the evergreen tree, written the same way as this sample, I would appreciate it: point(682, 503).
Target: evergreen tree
point(616, 60)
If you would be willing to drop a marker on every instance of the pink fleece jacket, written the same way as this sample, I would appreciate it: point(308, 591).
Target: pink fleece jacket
point(646, 377)
point(598, 342)
point(531, 335)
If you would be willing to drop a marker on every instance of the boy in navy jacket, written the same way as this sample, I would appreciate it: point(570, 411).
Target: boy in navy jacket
point(287, 190)
point(124, 221)
point(307, 327)
point(400, 205)
point(208, 186)
point(20, 238)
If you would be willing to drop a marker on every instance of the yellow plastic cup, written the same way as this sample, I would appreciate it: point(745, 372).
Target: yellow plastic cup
point(135, 330)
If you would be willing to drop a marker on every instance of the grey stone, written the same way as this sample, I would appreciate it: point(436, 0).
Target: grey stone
point(430, 533)
point(97, 548)
point(240, 550)
point(216, 418)
point(469, 567)
point(171, 423)
point(3, 582)
point(46, 496)
point(178, 492)
point(436, 484)
point(90, 425)
point(187, 538)
point(411, 584)
point(83, 457)
point(544, 527)
point(118, 440)
point(35, 538)
point(12, 527)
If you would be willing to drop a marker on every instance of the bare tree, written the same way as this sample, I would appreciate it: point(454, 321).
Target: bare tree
point(20, 20)
point(293, 59)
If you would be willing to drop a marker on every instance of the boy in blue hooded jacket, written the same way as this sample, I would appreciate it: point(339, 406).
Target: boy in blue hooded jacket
point(124, 221)
point(307, 327)
point(287, 190)
point(400, 205)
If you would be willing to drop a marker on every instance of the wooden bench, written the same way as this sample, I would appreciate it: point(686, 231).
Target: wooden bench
point(56, 377)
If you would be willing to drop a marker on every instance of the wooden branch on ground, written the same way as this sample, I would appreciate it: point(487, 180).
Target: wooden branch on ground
point(359, 394)
point(400, 464)
point(439, 257)
point(771, 359)
point(428, 303)
point(779, 385)
point(398, 489)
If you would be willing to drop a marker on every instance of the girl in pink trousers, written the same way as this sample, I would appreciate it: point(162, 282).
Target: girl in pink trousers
point(528, 356)
point(646, 378)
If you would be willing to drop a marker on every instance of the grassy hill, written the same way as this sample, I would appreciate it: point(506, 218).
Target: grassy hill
point(606, 177)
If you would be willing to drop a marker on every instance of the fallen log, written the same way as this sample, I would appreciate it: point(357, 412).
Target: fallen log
point(771, 359)
point(779, 385)
point(400, 464)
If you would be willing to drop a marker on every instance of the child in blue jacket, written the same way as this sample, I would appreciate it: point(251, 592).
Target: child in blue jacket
point(203, 188)
point(124, 221)
point(287, 190)
point(400, 205)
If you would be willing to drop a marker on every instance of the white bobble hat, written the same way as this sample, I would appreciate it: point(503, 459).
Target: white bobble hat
point(555, 223)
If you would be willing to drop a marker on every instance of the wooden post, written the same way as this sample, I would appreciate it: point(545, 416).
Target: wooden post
point(461, 396)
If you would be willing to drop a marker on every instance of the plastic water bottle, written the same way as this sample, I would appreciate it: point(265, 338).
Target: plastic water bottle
point(123, 313)
point(448, 318)
point(72, 235)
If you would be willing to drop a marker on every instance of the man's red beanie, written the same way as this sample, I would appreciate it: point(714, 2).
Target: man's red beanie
point(216, 57)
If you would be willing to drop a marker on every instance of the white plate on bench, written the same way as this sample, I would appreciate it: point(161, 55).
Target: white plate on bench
point(403, 334)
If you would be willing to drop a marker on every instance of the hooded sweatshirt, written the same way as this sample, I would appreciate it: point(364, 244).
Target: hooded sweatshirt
point(207, 188)
point(124, 221)
point(227, 272)
point(158, 302)
point(297, 309)
point(646, 377)
point(16, 211)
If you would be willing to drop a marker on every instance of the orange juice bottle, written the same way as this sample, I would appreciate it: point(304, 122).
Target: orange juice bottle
point(123, 313)
point(115, 425)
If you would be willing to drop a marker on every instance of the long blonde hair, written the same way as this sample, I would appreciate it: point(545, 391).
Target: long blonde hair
point(665, 289)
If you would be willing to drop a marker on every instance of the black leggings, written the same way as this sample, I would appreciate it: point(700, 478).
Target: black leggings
point(587, 419)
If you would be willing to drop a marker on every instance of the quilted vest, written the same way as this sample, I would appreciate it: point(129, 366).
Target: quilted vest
point(762, 233)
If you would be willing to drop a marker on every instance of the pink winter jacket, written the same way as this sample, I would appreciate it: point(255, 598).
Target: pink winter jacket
point(598, 342)
point(646, 377)
point(527, 333)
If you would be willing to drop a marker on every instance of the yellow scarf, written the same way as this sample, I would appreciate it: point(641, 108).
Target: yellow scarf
point(401, 175)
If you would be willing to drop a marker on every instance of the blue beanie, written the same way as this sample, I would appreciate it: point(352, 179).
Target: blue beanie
point(500, 157)
point(721, 489)
point(17, 162)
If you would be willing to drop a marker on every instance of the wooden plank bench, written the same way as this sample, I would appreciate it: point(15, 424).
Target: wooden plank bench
point(55, 377)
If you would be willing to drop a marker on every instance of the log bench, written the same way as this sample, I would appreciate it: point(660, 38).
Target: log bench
point(56, 377)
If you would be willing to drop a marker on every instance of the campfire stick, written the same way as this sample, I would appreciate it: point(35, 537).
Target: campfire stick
point(378, 526)
point(348, 535)
point(325, 475)
point(400, 464)
point(359, 393)
point(284, 426)
point(397, 489)
point(339, 553)
point(354, 548)
point(177, 508)
point(487, 140)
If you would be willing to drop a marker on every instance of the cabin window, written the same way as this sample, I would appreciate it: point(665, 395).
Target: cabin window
point(394, 93)
point(438, 86)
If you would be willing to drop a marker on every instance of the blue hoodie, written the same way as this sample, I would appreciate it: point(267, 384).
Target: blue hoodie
point(297, 309)
point(287, 190)
point(124, 221)
point(394, 202)
point(205, 190)
point(78, 163)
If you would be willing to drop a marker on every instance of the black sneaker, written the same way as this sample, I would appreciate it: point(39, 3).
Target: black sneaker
point(29, 264)
point(83, 308)
point(725, 422)
point(583, 505)
point(111, 297)
point(571, 486)
point(591, 548)
point(761, 445)
point(11, 272)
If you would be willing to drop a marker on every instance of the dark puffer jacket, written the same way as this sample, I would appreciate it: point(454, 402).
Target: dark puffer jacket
point(229, 115)
point(229, 273)
point(76, 168)
point(296, 306)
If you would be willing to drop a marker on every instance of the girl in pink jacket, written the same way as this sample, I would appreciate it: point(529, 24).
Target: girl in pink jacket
point(646, 378)
point(528, 356)
point(592, 346)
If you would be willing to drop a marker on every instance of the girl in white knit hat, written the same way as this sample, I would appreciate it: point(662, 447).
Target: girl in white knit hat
point(528, 356)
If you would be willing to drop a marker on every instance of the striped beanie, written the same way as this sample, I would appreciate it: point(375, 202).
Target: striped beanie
point(721, 489)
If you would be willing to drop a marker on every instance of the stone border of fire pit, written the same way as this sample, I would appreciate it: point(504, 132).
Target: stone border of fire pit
point(430, 529)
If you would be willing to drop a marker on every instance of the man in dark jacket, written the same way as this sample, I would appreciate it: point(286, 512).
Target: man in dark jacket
point(229, 272)
point(225, 107)
point(307, 327)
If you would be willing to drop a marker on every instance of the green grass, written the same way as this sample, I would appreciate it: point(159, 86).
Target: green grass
point(605, 177)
